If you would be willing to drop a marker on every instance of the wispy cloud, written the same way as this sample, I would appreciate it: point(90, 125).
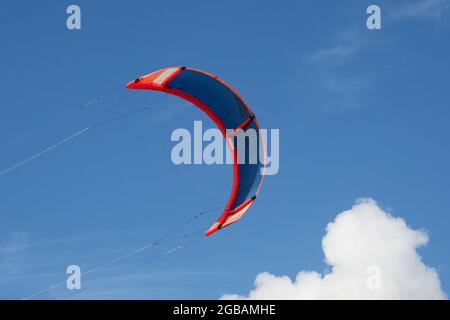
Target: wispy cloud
point(337, 51)
point(20, 241)
point(346, 44)
point(16, 241)
point(420, 9)
point(337, 65)
point(342, 87)
point(12, 256)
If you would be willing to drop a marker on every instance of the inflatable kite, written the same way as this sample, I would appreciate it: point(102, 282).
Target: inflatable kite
point(223, 104)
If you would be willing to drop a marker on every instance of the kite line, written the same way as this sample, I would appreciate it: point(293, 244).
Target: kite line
point(99, 121)
point(161, 240)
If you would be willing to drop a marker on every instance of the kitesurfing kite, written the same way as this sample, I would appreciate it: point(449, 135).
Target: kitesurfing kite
point(225, 106)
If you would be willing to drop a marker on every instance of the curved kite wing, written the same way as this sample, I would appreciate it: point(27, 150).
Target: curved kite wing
point(223, 104)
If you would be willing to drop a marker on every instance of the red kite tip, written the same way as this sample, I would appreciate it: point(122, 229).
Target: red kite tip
point(214, 228)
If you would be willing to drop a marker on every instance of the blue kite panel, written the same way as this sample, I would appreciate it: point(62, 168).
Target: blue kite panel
point(233, 112)
point(217, 96)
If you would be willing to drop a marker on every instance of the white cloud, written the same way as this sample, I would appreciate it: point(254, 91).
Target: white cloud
point(372, 255)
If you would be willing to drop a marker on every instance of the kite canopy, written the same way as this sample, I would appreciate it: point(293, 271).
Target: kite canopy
point(223, 104)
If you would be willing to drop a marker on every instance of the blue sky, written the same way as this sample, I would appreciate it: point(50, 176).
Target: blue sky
point(361, 114)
